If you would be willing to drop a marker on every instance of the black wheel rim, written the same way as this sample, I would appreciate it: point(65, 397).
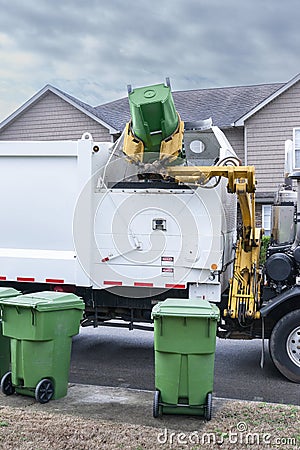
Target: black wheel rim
point(45, 391)
point(6, 384)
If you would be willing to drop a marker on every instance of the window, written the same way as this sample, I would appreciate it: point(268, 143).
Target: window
point(266, 219)
point(297, 147)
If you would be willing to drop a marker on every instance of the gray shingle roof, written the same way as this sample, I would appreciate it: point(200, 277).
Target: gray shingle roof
point(223, 105)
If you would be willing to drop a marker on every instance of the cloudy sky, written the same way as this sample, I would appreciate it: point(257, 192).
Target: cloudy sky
point(93, 48)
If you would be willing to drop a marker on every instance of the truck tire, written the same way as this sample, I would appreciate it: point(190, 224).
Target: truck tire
point(284, 346)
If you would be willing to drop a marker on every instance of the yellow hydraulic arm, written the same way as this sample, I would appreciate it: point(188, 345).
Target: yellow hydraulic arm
point(156, 128)
point(244, 294)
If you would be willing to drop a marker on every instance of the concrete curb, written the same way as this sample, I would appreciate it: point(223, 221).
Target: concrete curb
point(123, 405)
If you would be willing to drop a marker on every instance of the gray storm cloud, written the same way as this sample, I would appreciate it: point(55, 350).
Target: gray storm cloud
point(93, 48)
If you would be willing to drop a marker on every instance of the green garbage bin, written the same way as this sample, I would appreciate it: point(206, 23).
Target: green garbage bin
point(40, 327)
point(5, 292)
point(184, 344)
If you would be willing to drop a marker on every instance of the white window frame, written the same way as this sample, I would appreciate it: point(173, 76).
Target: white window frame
point(296, 146)
point(266, 212)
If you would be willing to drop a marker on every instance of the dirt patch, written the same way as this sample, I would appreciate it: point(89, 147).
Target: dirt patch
point(235, 425)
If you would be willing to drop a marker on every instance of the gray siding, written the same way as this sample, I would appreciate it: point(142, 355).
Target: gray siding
point(236, 139)
point(267, 131)
point(52, 118)
point(258, 214)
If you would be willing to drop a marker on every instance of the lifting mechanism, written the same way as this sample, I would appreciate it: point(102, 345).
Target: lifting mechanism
point(142, 136)
point(244, 293)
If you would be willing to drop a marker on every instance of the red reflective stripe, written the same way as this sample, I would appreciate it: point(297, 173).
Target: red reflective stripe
point(2, 278)
point(25, 279)
point(113, 283)
point(137, 283)
point(175, 286)
point(53, 280)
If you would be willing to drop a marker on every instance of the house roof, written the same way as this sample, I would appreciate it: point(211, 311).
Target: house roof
point(83, 107)
point(224, 105)
point(264, 102)
point(228, 106)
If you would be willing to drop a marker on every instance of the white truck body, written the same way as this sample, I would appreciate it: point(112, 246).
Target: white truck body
point(64, 223)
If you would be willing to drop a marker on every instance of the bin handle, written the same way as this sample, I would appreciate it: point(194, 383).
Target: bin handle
point(32, 317)
point(2, 313)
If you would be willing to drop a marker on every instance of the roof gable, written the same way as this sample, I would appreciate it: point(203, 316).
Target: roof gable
point(281, 89)
point(81, 106)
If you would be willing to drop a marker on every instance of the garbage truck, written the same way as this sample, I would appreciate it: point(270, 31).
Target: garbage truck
point(150, 217)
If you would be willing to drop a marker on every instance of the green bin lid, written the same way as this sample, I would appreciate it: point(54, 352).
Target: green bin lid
point(186, 308)
point(6, 292)
point(46, 301)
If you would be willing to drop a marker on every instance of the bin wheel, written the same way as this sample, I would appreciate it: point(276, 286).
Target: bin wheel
point(208, 407)
point(44, 391)
point(156, 400)
point(6, 384)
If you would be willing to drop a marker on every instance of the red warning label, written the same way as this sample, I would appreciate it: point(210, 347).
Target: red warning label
point(167, 260)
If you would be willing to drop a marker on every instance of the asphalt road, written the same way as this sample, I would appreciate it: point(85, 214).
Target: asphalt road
point(117, 357)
